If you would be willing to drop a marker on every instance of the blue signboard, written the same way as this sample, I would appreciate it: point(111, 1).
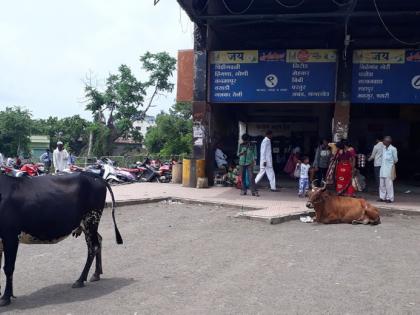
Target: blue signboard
point(386, 76)
point(293, 75)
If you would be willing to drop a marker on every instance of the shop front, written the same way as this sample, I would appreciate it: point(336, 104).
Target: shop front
point(306, 70)
point(290, 92)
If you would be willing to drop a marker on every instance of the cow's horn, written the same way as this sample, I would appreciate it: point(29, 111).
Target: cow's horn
point(324, 185)
point(313, 183)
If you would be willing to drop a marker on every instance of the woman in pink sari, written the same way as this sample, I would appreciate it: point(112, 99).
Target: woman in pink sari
point(292, 162)
point(346, 158)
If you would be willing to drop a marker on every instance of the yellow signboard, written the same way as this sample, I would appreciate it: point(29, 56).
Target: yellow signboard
point(379, 56)
point(234, 56)
point(311, 55)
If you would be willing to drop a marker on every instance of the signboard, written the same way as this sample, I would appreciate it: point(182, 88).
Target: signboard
point(386, 76)
point(293, 75)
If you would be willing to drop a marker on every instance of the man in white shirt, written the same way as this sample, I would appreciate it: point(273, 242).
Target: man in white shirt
point(387, 173)
point(60, 157)
point(376, 157)
point(220, 157)
point(266, 161)
point(1, 159)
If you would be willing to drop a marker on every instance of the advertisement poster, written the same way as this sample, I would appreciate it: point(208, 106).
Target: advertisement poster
point(386, 76)
point(292, 75)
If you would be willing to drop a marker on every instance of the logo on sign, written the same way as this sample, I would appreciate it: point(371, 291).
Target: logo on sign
point(303, 55)
point(271, 80)
point(415, 82)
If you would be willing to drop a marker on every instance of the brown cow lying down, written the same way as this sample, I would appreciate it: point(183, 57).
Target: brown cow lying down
point(330, 208)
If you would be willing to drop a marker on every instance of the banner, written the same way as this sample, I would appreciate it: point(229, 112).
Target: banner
point(386, 76)
point(294, 75)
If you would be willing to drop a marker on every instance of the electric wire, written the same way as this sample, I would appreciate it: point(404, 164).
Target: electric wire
point(290, 6)
point(342, 4)
point(389, 31)
point(251, 2)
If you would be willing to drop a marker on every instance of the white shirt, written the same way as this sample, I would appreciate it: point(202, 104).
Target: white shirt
point(266, 155)
point(377, 154)
point(1, 159)
point(60, 159)
point(10, 162)
point(389, 159)
point(304, 170)
point(220, 158)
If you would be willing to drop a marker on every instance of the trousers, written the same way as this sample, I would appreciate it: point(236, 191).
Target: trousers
point(247, 170)
point(386, 189)
point(377, 170)
point(269, 171)
point(303, 186)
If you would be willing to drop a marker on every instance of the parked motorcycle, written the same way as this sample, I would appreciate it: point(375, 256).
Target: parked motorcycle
point(165, 172)
point(33, 169)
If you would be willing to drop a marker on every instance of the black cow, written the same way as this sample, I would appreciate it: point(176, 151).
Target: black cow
point(47, 209)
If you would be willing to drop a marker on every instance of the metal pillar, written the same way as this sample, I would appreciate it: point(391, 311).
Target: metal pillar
point(341, 118)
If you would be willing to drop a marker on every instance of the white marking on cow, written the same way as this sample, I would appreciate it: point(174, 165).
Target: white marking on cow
point(26, 238)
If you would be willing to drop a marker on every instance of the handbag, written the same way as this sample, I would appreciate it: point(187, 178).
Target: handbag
point(296, 173)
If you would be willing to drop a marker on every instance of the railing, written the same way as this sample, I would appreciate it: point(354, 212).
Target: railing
point(125, 161)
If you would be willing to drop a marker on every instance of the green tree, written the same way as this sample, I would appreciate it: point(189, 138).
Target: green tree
point(121, 103)
point(15, 128)
point(73, 131)
point(172, 134)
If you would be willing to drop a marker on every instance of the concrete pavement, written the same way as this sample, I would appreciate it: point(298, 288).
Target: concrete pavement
point(272, 207)
point(191, 259)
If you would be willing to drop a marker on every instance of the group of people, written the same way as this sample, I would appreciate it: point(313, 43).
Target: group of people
point(335, 163)
point(60, 158)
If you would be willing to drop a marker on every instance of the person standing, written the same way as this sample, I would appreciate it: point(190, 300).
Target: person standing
point(346, 157)
point(293, 160)
point(60, 157)
point(1, 159)
point(304, 176)
point(376, 157)
point(247, 154)
point(322, 161)
point(72, 159)
point(266, 161)
point(46, 159)
point(387, 172)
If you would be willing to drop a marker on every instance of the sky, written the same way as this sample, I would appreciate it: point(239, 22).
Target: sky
point(49, 47)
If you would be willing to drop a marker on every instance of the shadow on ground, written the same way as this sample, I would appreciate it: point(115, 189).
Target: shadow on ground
point(63, 293)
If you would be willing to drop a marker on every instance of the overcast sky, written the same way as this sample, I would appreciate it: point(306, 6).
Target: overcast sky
point(47, 47)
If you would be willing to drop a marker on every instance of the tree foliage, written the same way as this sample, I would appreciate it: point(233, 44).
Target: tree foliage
point(122, 102)
point(72, 131)
point(172, 134)
point(15, 129)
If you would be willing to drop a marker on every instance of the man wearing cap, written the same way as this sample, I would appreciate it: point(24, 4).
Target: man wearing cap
point(60, 157)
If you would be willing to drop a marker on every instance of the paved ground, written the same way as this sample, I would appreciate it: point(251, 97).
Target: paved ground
point(189, 259)
point(274, 205)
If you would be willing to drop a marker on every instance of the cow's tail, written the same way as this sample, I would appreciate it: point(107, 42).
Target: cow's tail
point(117, 232)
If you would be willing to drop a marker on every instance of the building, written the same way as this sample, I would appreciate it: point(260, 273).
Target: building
point(145, 124)
point(307, 69)
point(38, 145)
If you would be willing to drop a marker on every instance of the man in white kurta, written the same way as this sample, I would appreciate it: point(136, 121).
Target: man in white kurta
point(60, 157)
point(387, 173)
point(266, 161)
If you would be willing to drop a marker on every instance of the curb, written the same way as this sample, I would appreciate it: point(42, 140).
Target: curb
point(140, 201)
point(242, 215)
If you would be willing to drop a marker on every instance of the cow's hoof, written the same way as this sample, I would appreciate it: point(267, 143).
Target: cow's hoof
point(4, 302)
point(78, 284)
point(95, 277)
